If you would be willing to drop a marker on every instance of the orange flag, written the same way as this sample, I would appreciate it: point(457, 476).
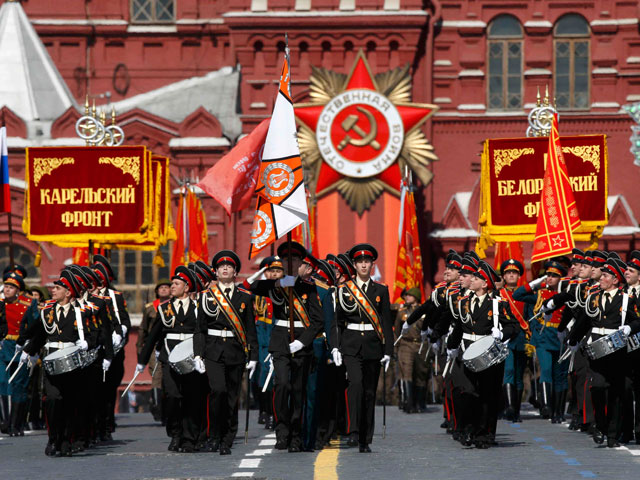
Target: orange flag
point(282, 202)
point(409, 259)
point(558, 216)
point(191, 244)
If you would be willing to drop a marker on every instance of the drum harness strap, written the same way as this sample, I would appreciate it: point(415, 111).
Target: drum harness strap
point(173, 322)
point(78, 312)
point(625, 305)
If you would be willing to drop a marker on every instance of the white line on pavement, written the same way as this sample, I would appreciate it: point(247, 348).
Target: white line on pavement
point(242, 474)
point(249, 463)
point(259, 452)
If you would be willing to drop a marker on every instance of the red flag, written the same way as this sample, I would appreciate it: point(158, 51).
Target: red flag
point(5, 194)
point(506, 251)
point(409, 259)
point(558, 216)
point(232, 181)
point(191, 244)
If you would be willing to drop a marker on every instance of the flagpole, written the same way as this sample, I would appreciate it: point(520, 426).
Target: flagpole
point(10, 225)
point(292, 333)
point(185, 227)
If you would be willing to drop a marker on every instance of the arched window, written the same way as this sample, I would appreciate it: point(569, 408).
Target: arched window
point(504, 49)
point(571, 74)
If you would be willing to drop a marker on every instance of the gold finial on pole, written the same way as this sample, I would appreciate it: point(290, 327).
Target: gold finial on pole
point(113, 115)
point(538, 97)
point(93, 109)
point(86, 105)
point(546, 95)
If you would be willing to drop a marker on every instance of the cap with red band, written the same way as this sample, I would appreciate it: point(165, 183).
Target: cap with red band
point(363, 250)
point(228, 257)
point(186, 275)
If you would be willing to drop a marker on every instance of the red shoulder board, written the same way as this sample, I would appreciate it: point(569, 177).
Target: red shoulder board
point(244, 290)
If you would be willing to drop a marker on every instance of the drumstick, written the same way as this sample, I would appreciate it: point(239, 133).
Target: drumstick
point(426, 357)
point(565, 355)
point(130, 383)
point(12, 359)
point(16, 372)
point(266, 382)
point(396, 342)
point(420, 349)
point(154, 369)
point(104, 376)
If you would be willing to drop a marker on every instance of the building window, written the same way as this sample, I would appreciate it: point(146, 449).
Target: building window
point(504, 49)
point(153, 11)
point(23, 257)
point(136, 275)
point(571, 75)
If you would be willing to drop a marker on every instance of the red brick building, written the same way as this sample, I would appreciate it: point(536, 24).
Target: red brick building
point(187, 77)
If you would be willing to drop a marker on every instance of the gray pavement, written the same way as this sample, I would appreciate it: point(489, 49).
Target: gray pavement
point(414, 448)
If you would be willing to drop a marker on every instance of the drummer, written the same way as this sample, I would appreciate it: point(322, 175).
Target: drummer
point(553, 376)
point(59, 329)
point(606, 312)
point(182, 392)
point(482, 315)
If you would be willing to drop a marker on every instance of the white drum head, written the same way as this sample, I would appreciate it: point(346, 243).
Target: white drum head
point(181, 351)
point(477, 348)
point(63, 352)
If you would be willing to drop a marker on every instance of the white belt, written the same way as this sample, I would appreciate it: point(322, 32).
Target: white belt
point(604, 331)
point(220, 333)
point(179, 336)
point(286, 323)
point(59, 345)
point(361, 327)
point(472, 336)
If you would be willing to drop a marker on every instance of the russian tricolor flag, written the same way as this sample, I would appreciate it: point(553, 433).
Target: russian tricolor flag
point(5, 198)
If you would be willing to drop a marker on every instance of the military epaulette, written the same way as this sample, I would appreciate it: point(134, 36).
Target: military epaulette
point(321, 284)
point(27, 295)
point(49, 303)
point(577, 281)
point(244, 290)
point(164, 303)
point(24, 301)
point(441, 284)
point(147, 305)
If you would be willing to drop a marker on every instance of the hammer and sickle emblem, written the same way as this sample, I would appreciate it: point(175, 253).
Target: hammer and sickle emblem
point(351, 123)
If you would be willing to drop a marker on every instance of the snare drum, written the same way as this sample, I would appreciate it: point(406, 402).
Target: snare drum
point(89, 357)
point(63, 361)
point(633, 342)
point(606, 345)
point(181, 357)
point(484, 353)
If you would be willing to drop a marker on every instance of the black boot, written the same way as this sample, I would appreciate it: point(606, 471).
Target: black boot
point(517, 401)
point(5, 417)
point(156, 404)
point(410, 396)
point(534, 392)
point(545, 400)
point(509, 412)
point(558, 406)
point(421, 399)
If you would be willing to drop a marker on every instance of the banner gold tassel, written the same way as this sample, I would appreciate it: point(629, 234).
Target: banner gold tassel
point(158, 260)
point(38, 259)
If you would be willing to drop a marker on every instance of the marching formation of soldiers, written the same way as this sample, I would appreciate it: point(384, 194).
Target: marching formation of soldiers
point(313, 338)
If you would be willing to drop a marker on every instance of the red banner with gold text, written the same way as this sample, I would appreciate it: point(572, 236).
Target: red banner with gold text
point(512, 180)
point(77, 194)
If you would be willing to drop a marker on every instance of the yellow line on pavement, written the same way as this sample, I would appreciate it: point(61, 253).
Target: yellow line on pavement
point(326, 466)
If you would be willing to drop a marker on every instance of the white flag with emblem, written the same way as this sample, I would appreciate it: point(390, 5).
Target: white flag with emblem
point(282, 202)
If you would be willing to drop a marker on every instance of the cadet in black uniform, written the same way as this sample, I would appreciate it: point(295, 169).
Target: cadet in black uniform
point(228, 344)
point(63, 324)
point(177, 323)
point(607, 310)
point(362, 337)
point(291, 359)
point(481, 314)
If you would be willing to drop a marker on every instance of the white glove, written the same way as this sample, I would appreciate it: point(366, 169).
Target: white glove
point(251, 366)
point(288, 281)
point(83, 345)
point(385, 362)
point(24, 357)
point(19, 348)
point(436, 346)
point(547, 317)
point(337, 357)
point(106, 364)
point(124, 330)
point(537, 283)
point(562, 335)
point(625, 329)
point(157, 354)
point(116, 339)
point(405, 328)
point(496, 333)
point(452, 354)
point(424, 334)
point(139, 368)
point(548, 306)
point(574, 348)
point(199, 364)
point(33, 359)
point(296, 346)
point(256, 275)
